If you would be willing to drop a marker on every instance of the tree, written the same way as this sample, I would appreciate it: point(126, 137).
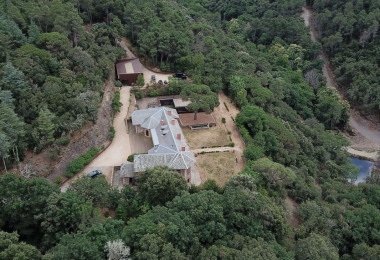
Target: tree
point(241, 181)
point(4, 148)
point(205, 212)
point(154, 247)
point(140, 81)
point(313, 79)
point(33, 32)
point(253, 152)
point(253, 118)
point(116, 250)
point(316, 247)
point(249, 213)
point(65, 213)
point(45, 128)
point(12, 128)
point(211, 184)
point(241, 247)
point(21, 201)
point(13, 78)
point(5, 46)
point(10, 28)
point(95, 190)
point(6, 98)
point(201, 97)
point(364, 252)
point(331, 110)
point(75, 246)
point(236, 85)
point(273, 172)
point(160, 185)
point(11, 248)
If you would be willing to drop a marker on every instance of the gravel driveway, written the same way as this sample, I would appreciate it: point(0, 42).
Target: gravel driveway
point(119, 150)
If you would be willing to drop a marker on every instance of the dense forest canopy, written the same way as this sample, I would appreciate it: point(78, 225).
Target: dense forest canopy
point(55, 56)
point(348, 31)
point(52, 70)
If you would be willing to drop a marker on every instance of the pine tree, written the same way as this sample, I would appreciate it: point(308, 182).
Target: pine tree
point(4, 148)
point(33, 32)
point(13, 78)
point(46, 126)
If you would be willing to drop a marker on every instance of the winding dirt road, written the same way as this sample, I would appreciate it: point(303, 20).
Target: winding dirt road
point(368, 136)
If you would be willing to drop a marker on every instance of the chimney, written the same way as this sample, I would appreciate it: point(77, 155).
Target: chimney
point(183, 148)
point(169, 112)
point(173, 122)
point(179, 136)
point(162, 122)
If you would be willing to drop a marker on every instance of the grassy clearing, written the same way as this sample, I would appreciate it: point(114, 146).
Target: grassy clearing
point(217, 166)
point(212, 137)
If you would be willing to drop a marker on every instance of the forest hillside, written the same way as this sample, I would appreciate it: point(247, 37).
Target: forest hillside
point(293, 200)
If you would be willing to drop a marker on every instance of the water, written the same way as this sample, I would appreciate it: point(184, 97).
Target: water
point(365, 169)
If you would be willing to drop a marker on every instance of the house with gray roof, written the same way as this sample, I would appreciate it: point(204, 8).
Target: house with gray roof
point(169, 145)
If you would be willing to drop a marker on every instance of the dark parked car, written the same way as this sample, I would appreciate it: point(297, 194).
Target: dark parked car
point(180, 75)
point(95, 173)
point(160, 82)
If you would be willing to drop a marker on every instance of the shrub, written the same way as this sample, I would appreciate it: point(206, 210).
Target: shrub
point(139, 94)
point(63, 141)
point(111, 134)
point(131, 157)
point(58, 180)
point(232, 144)
point(78, 164)
point(223, 120)
point(140, 81)
point(116, 104)
point(154, 93)
point(118, 83)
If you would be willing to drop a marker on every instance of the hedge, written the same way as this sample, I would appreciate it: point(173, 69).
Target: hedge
point(116, 104)
point(78, 164)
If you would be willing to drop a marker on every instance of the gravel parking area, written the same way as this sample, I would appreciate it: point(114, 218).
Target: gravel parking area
point(159, 75)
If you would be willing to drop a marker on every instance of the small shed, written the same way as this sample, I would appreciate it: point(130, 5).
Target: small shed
point(128, 70)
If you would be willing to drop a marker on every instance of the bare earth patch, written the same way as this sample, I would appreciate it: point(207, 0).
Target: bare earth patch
point(218, 166)
point(291, 207)
point(214, 136)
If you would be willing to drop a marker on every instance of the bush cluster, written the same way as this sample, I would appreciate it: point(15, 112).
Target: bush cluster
point(116, 104)
point(111, 134)
point(77, 165)
point(132, 157)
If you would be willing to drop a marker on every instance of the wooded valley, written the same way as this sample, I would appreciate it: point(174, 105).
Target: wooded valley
point(293, 200)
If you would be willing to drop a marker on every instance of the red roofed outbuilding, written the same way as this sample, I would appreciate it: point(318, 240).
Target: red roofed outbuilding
point(127, 70)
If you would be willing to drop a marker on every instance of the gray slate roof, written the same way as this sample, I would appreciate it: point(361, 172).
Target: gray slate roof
point(151, 117)
point(176, 161)
point(168, 149)
point(126, 170)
